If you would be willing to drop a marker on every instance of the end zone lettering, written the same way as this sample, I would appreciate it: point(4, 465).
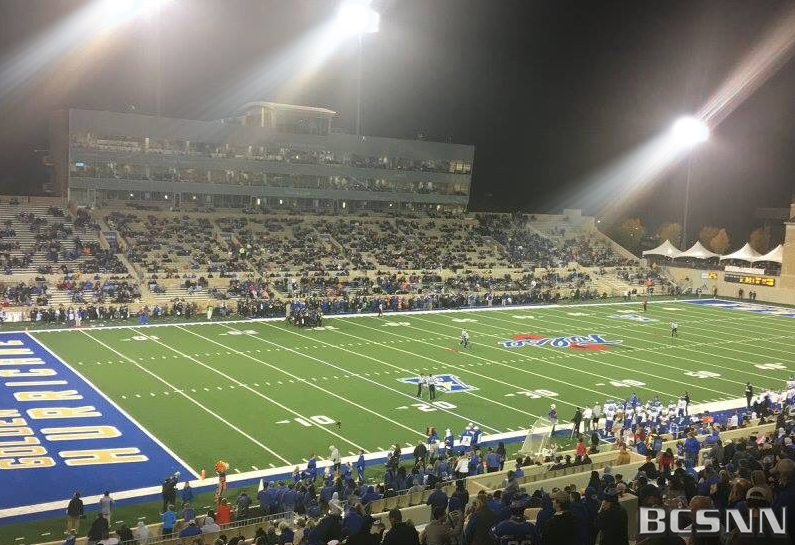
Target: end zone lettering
point(58, 434)
point(593, 341)
point(712, 522)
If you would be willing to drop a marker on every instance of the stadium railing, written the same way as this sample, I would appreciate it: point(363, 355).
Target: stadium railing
point(245, 528)
point(414, 508)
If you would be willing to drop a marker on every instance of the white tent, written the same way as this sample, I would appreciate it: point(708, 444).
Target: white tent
point(698, 251)
point(746, 253)
point(773, 255)
point(665, 249)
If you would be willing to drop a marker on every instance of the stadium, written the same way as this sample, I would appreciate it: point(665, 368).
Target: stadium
point(259, 323)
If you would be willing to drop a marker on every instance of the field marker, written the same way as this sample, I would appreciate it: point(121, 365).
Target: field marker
point(255, 392)
point(255, 468)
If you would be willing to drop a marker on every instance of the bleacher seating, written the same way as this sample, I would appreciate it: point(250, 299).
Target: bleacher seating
point(476, 256)
point(42, 239)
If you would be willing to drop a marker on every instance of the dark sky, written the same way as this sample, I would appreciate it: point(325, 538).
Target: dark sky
point(548, 92)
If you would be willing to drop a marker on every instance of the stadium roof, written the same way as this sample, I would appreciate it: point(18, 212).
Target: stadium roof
point(775, 255)
point(746, 253)
point(698, 251)
point(665, 249)
point(280, 106)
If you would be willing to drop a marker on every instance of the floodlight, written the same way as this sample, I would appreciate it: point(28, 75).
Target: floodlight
point(357, 17)
point(690, 131)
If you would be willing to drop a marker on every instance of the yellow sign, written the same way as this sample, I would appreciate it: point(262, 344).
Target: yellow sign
point(769, 281)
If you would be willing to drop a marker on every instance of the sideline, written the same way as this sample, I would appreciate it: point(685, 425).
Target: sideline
point(19, 514)
point(534, 306)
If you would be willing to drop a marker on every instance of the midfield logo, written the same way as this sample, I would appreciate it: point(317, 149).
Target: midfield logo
point(450, 384)
point(594, 341)
point(634, 317)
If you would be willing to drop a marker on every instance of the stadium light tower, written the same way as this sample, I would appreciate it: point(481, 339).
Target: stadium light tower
point(688, 132)
point(357, 18)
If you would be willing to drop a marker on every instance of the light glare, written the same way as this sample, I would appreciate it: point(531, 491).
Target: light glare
point(690, 131)
point(358, 18)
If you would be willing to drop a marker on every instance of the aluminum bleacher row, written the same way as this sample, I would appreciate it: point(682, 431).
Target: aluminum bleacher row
point(27, 237)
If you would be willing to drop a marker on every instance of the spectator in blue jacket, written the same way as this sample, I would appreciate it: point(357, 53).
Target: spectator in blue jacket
point(492, 461)
point(438, 498)
point(187, 493)
point(692, 446)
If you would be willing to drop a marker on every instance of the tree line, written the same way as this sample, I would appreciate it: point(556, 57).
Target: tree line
point(631, 232)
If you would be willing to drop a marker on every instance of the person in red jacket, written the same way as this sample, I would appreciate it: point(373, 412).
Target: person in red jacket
point(223, 513)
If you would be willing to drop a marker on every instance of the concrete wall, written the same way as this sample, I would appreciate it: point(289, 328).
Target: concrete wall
point(691, 278)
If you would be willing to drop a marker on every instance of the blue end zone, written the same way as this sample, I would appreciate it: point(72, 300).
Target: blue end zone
point(758, 308)
point(41, 459)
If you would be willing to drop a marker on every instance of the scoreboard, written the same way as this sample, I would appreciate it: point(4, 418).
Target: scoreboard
point(735, 278)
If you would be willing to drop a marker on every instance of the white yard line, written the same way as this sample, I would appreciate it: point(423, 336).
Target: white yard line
point(304, 381)
point(332, 316)
point(681, 346)
point(601, 362)
point(465, 418)
point(186, 396)
point(252, 390)
point(468, 353)
point(118, 408)
point(59, 506)
point(622, 354)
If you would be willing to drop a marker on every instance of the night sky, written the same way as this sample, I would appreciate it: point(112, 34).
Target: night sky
point(548, 92)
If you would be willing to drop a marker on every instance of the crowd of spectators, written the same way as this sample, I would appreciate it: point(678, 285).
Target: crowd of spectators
point(170, 244)
point(112, 290)
point(258, 153)
point(23, 294)
point(318, 245)
point(321, 506)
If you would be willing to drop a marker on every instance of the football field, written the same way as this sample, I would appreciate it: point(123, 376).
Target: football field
point(265, 395)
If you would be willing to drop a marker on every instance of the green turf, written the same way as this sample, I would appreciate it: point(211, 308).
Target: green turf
point(240, 380)
point(236, 382)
